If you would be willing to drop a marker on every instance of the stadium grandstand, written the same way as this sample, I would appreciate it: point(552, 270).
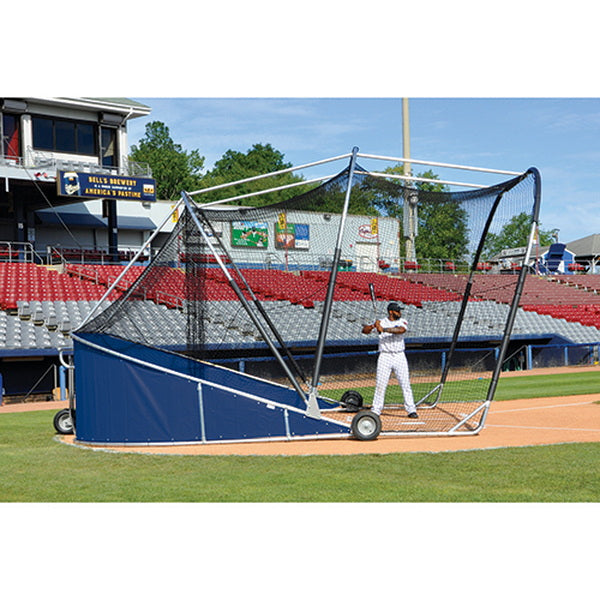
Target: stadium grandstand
point(40, 305)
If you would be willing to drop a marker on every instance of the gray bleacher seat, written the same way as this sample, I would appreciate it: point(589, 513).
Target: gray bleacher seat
point(161, 325)
point(64, 325)
point(51, 321)
point(42, 338)
point(23, 309)
point(37, 314)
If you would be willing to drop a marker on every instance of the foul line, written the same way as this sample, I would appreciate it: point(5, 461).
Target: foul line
point(539, 427)
point(497, 412)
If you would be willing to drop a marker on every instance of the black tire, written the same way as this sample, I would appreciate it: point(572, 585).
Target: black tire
point(352, 400)
point(63, 422)
point(366, 426)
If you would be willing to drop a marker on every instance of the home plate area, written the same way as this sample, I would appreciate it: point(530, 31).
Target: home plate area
point(442, 418)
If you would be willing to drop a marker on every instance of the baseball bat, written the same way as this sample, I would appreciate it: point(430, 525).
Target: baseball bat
point(372, 292)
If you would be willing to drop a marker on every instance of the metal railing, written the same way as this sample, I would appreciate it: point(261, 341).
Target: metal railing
point(390, 265)
point(25, 252)
point(47, 162)
point(19, 252)
point(11, 161)
point(57, 255)
point(89, 273)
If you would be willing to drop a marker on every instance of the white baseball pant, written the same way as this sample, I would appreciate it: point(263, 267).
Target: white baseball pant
point(386, 363)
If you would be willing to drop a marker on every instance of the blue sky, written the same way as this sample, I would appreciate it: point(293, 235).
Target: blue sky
point(559, 136)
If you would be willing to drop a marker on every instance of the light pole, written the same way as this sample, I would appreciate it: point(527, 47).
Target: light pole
point(410, 202)
point(405, 136)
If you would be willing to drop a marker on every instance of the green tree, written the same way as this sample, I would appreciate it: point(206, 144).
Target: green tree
point(443, 229)
point(514, 234)
point(263, 158)
point(258, 160)
point(363, 196)
point(173, 168)
point(442, 222)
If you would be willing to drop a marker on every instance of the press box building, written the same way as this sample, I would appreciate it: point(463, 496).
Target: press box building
point(45, 140)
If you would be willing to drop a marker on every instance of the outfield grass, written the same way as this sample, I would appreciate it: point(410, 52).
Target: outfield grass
point(509, 388)
point(538, 386)
point(34, 467)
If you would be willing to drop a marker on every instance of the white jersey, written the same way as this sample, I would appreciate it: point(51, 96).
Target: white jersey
point(392, 342)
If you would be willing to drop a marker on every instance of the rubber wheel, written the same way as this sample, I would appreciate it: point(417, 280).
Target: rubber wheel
point(352, 400)
point(366, 426)
point(63, 423)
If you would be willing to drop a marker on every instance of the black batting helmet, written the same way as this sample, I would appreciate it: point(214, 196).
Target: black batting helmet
point(394, 306)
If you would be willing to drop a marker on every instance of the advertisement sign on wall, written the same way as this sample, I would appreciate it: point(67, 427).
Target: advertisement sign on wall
point(294, 236)
point(302, 236)
point(366, 232)
point(249, 234)
point(113, 187)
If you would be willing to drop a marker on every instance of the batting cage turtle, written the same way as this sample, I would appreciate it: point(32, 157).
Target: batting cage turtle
point(247, 323)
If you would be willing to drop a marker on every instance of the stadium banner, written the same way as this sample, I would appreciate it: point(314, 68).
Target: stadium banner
point(369, 232)
point(249, 234)
point(294, 236)
point(113, 187)
point(302, 236)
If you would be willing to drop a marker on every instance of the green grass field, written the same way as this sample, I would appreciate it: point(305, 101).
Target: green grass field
point(509, 388)
point(537, 386)
point(34, 467)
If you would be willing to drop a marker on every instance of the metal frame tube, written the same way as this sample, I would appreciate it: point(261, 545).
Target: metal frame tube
point(467, 292)
point(470, 281)
point(438, 164)
point(330, 288)
point(201, 412)
point(260, 192)
point(265, 175)
point(483, 407)
point(424, 179)
point(342, 156)
point(438, 387)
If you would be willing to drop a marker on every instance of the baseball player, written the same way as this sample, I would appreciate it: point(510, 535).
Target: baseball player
point(392, 358)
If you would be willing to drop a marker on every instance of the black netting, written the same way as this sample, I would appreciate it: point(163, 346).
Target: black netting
point(247, 284)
